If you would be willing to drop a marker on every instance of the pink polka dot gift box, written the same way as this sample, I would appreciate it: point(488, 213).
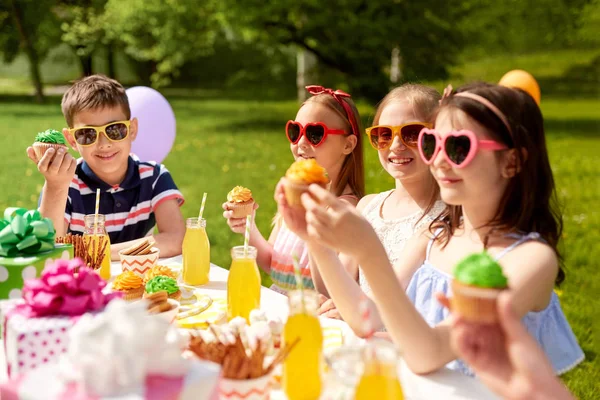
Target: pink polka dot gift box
point(36, 328)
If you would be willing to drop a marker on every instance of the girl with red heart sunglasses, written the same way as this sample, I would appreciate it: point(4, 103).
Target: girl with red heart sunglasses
point(326, 128)
point(488, 154)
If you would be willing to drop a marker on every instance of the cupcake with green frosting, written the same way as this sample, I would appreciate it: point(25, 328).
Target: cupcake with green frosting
point(163, 283)
point(478, 280)
point(48, 139)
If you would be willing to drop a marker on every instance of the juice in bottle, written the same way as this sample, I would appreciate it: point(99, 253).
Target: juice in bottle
point(243, 284)
point(303, 366)
point(380, 378)
point(195, 252)
point(93, 234)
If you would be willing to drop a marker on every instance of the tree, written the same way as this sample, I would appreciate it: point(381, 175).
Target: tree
point(163, 33)
point(356, 37)
point(32, 28)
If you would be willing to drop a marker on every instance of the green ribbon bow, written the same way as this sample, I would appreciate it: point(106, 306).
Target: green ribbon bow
point(25, 232)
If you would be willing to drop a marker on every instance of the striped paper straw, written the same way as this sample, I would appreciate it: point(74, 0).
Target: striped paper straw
point(202, 207)
point(299, 281)
point(247, 235)
point(97, 209)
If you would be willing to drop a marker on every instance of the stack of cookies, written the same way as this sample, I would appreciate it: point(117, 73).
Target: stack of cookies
point(140, 257)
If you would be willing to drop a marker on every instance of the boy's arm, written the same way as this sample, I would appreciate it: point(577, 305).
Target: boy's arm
point(58, 169)
point(171, 230)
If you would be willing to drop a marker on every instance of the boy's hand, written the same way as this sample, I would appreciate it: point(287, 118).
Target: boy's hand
point(58, 168)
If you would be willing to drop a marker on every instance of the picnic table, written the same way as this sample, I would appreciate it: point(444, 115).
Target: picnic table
point(443, 384)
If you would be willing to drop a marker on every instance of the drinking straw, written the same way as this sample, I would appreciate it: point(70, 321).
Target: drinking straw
point(202, 207)
point(97, 209)
point(247, 235)
point(299, 281)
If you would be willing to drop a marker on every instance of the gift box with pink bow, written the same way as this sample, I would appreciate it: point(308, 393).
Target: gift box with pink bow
point(35, 328)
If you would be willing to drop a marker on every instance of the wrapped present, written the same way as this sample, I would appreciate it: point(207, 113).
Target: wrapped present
point(26, 246)
point(35, 329)
point(120, 353)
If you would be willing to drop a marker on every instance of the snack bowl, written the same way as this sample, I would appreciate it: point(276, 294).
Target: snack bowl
point(139, 264)
point(246, 389)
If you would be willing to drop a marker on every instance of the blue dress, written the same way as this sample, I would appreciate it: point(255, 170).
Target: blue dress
point(549, 326)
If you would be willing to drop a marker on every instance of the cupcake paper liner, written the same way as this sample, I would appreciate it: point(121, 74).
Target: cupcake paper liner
point(475, 304)
point(40, 148)
point(241, 210)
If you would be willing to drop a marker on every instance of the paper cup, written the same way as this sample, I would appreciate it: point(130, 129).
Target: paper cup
point(139, 264)
point(246, 389)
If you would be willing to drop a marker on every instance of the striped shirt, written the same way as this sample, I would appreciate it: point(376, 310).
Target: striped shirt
point(128, 207)
point(287, 244)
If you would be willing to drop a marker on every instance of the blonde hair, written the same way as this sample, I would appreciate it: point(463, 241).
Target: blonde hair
point(94, 92)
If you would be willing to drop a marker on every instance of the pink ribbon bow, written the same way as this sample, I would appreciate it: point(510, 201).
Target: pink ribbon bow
point(338, 95)
point(60, 292)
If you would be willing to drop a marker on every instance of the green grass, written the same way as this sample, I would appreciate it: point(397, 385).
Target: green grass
point(223, 142)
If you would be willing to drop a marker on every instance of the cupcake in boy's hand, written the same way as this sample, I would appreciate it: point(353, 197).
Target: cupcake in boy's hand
point(47, 139)
point(160, 283)
point(240, 202)
point(131, 285)
point(299, 176)
point(478, 280)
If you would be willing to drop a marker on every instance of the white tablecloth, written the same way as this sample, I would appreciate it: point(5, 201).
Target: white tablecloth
point(443, 384)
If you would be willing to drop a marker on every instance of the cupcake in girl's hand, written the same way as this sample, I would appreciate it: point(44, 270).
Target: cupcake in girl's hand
point(160, 283)
point(299, 176)
point(130, 285)
point(478, 280)
point(240, 202)
point(47, 139)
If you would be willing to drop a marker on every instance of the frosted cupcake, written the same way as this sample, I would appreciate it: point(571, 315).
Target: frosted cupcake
point(160, 283)
point(478, 280)
point(299, 176)
point(130, 285)
point(48, 139)
point(240, 201)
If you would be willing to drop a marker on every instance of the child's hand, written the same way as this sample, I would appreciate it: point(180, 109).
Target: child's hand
point(294, 217)
point(328, 309)
point(58, 168)
point(335, 223)
point(237, 225)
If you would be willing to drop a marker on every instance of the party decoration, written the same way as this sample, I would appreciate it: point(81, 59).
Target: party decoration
point(25, 232)
point(523, 80)
point(156, 123)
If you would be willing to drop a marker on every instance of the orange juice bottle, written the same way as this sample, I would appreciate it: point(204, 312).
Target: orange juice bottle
point(243, 283)
point(93, 234)
point(303, 366)
point(195, 252)
point(380, 377)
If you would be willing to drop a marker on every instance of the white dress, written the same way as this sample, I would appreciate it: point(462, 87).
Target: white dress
point(394, 233)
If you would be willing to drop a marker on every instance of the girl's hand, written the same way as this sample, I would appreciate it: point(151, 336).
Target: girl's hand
point(237, 225)
point(294, 217)
point(335, 223)
point(328, 309)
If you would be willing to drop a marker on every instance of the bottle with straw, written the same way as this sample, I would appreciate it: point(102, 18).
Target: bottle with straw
point(96, 236)
point(196, 250)
point(302, 369)
point(243, 283)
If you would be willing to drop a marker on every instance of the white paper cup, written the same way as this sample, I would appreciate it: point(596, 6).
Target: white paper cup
point(139, 264)
point(246, 389)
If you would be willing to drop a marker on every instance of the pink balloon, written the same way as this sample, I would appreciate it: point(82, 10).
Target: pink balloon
point(156, 123)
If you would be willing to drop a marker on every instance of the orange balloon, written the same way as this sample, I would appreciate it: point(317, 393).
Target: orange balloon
point(523, 80)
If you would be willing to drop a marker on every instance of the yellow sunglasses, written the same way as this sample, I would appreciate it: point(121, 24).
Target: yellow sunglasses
point(88, 135)
point(381, 137)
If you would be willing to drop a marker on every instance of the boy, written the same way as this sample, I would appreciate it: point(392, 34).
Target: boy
point(133, 194)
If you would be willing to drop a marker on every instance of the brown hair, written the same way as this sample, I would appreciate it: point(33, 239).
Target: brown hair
point(94, 92)
point(529, 203)
point(352, 172)
point(424, 101)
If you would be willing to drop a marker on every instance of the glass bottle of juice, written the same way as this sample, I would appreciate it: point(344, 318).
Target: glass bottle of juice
point(243, 283)
point(195, 252)
point(380, 377)
point(94, 234)
point(302, 369)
